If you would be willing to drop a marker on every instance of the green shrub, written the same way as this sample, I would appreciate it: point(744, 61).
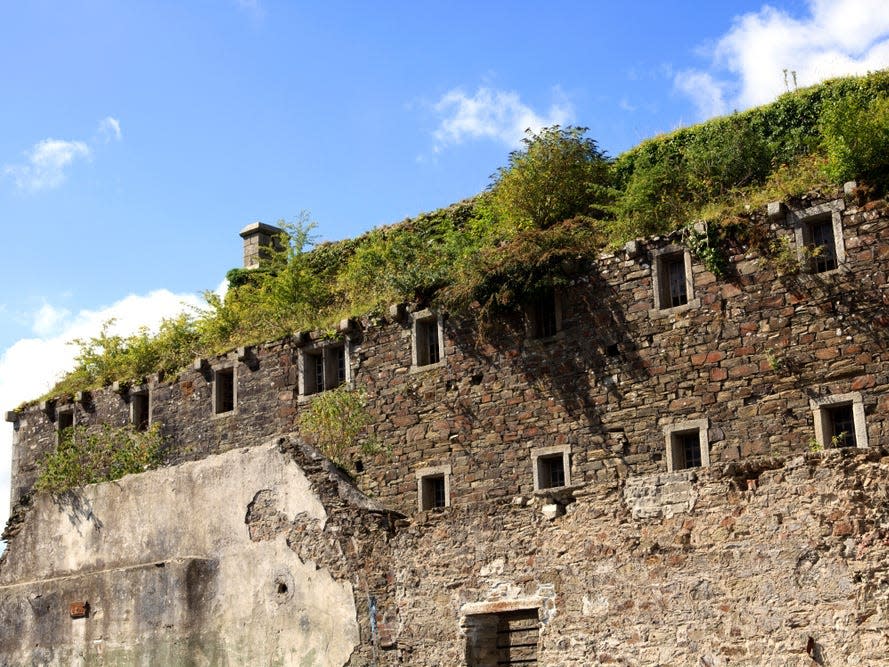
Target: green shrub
point(503, 277)
point(407, 262)
point(335, 423)
point(559, 174)
point(726, 154)
point(88, 456)
point(655, 200)
point(855, 130)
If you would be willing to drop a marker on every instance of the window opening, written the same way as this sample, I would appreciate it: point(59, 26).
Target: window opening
point(552, 471)
point(339, 354)
point(687, 450)
point(64, 419)
point(822, 245)
point(314, 372)
point(225, 390)
point(434, 492)
point(841, 424)
point(324, 368)
point(840, 420)
point(544, 314)
point(517, 634)
point(427, 343)
point(506, 638)
point(673, 283)
point(818, 233)
point(433, 487)
point(687, 444)
point(139, 410)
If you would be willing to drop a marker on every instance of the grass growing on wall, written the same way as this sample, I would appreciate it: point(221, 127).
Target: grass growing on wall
point(548, 212)
point(88, 456)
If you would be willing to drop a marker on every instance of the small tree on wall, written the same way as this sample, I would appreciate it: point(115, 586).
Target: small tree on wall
point(559, 174)
point(335, 423)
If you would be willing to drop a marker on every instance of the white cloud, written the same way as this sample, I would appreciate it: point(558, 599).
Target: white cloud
point(704, 91)
point(109, 128)
point(48, 319)
point(492, 114)
point(30, 366)
point(835, 38)
point(46, 164)
point(48, 161)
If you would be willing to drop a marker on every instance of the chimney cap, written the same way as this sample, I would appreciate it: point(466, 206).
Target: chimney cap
point(260, 228)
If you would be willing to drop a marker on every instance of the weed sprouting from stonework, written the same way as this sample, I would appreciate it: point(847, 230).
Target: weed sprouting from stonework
point(336, 422)
point(88, 456)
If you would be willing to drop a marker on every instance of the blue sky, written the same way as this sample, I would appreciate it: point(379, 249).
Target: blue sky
point(138, 138)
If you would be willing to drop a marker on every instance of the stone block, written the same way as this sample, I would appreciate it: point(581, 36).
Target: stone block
point(776, 211)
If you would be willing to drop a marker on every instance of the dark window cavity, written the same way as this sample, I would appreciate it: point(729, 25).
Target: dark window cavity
point(139, 410)
point(841, 426)
point(433, 489)
point(821, 244)
point(224, 390)
point(551, 471)
point(674, 290)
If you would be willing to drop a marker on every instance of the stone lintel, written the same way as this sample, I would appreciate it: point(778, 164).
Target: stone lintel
point(501, 606)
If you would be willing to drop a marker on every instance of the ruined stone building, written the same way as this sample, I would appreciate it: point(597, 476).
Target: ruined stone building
point(652, 466)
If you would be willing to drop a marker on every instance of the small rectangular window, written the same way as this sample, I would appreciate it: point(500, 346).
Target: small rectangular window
point(673, 282)
point(139, 416)
point(818, 234)
point(552, 471)
point(324, 368)
point(543, 315)
point(433, 487)
point(551, 466)
point(338, 361)
point(841, 425)
point(314, 372)
point(821, 244)
point(686, 450)
point(224, 390)
point(427, 342)
point(433, 492)
point(64, 420)
point(687, 445)
point(503, 638)
point(840, 420)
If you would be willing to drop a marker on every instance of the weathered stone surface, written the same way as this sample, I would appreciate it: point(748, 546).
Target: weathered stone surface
point(771, 556)
point(173, 573)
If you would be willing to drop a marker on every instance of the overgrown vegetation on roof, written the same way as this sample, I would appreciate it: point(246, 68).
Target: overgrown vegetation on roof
point(557, 202)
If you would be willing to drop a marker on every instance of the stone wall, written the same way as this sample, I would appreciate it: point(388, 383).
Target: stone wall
point(167, 571)
point(280, 560)
point(750, 573)
point(748, 357)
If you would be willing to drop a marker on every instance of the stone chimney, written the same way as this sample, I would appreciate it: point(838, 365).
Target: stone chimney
point(258, 237)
